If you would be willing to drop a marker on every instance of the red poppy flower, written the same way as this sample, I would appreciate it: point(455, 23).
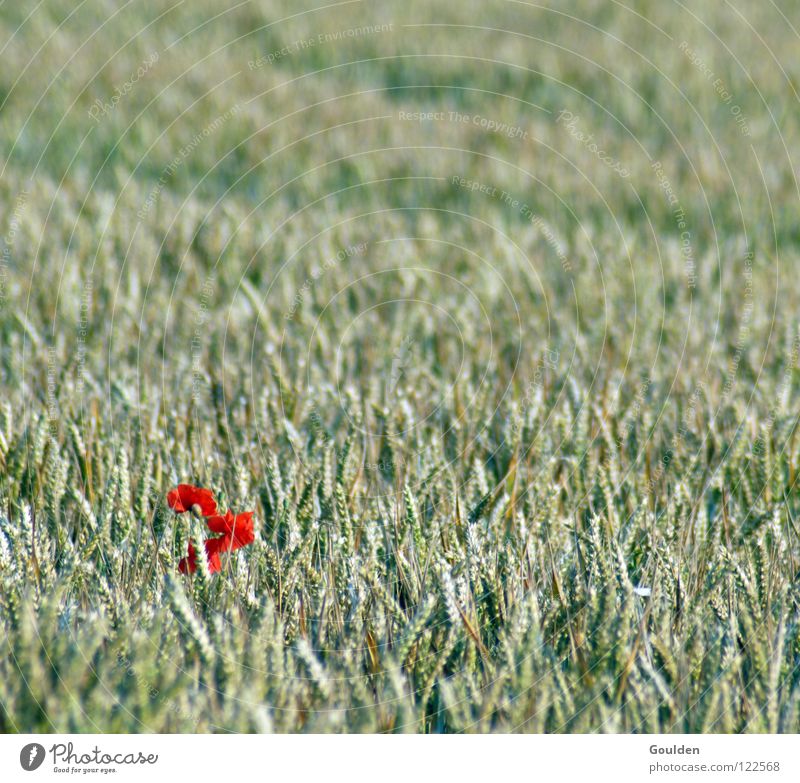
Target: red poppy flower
point(186, 497)
point(189, 564)
point(237, 531)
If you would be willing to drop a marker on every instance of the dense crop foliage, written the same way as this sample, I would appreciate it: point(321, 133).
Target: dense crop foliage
point(516, 408)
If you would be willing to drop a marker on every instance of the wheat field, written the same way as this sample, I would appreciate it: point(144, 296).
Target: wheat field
point(487, 310)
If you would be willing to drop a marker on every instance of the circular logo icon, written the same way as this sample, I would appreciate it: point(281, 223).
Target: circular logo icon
point(31, 756)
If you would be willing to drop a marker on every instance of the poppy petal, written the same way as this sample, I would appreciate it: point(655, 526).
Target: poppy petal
point(242, 532)
point(220, 524)
point(185, 496)
point(237, 531)
point(212, 546)
point(188, 564)
point(214, 563)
